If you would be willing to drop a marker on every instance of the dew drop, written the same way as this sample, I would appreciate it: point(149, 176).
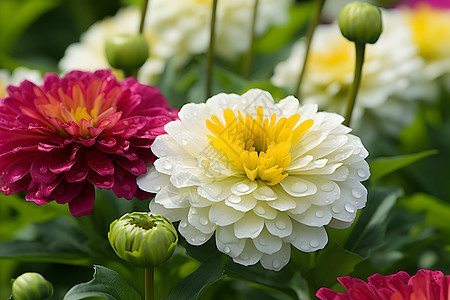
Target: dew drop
point(202, 239)
point(80, 174)
point(167, 165)
point(304, 247)
point(134, 170)
point(226, 250)
point(262, 242)
point(350, 207)
point(299, 187)
point(183, 224)
point(336, 210)
point(314, 243)
point(280, 225)
point(357, 193)
point(244, 256)
point(204, 221)
point(260, 210)
point(107, 183)
point(276, 264)
point(234, 199)
point(193, 240)
point(126, 187)
point(242, 188)
point(43, 170)
point(266, 191)
point(184, 142)
point(156, 188)
point(362, 173)
point(327, 187)
point(320, 214)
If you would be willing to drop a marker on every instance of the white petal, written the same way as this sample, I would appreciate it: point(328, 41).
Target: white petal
point(283, 201)
point(249, 226)
point(281, 226)
point(288, 104)
point(345, 208)
point(277, 260)
point(267, 243)
point(242, 203)
point(172, 164)
point(192, 235)
point(165, 145)
point(298, 187)
point(199, 218)
point(301, 205)
point(249, 256)
point(339, 224)
point(329, 145)
point(243, 187)
point(264, 193)
point(174, 214)
point(265, 211)
point(327, 192)
point(152, 181)
point(218, 190)
point(227, 242)
point(340, 174)
point(359, 171)
point(306, 238)
point(171, 197)
point(314, 216)
point(224, 215)
point(188, 178)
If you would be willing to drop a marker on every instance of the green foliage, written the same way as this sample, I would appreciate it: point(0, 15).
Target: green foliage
point(106, 284)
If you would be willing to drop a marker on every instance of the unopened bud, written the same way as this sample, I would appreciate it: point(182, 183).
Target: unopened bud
point(360, 22)
point(31, 286)
point(127, 51)
point(143, 239)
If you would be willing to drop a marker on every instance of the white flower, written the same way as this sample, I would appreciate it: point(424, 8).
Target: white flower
point(16, 77)
point(392, 75)
point(261, 176)
point(176, 28)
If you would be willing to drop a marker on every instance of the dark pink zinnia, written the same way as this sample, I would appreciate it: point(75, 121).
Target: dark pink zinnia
point(434, 3)
point(425, 285)
point(59, 140)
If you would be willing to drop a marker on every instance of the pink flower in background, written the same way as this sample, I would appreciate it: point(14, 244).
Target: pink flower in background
point(59, 140)
point(425, 285)
point(434, 3)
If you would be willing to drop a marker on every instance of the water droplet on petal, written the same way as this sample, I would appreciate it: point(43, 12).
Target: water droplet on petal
point(204, 221)
point(357, 193)
point(80, 174)
point(299, 187)
point(242, 188)
point(276, 264)
point(320, 214)
point(43, 170)
point(260, 210)
point(167, 165)
point(234, 199)
point(304, 247)
point(183, 224)
point(184, 142)
point(226, 250)
point(266, 191)
point(262, 242)
point(134, 170)
point(244, 256)
point(350, 207)
point(201, 238)
point(280, 225)
point(156, 188)
point(362, 173)
point(314, 243)
point(336, 210)
point(126, 187)
point(327, 187)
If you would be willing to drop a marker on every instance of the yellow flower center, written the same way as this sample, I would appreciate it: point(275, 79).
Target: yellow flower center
point(260, 147)
point(86, 108)
point(430, 31)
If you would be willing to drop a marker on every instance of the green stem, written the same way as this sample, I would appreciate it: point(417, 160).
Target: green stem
point(309, 36)
point(143, 13)
point(210, 54)
point(360, 49)
point(247, 65)
point(149, 284)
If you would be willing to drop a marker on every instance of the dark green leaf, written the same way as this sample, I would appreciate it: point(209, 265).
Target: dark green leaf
point(385, 165)
point(191, 287)
point(369, 231)
point(107, 284)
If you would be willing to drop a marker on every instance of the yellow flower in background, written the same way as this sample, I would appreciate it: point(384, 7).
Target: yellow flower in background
point(261, 176)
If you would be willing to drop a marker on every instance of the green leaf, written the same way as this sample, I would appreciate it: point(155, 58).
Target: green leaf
point(191, 287)
point(385, 165)
point(57, 240)
point(370, 229)
point(107, 284)
point(332, 263)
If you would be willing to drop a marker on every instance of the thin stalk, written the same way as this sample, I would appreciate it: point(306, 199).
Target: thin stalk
point(143, 13)
point(149, 284)
point(309, 36)
point(247, 65)
point(210, 54)
point(360, 49)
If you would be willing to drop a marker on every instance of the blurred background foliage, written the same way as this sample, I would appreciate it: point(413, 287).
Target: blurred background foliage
point(405, 225)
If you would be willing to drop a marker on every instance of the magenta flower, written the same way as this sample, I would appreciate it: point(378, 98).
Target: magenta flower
point(59, 140)
point(434, 3)
point(425, 285)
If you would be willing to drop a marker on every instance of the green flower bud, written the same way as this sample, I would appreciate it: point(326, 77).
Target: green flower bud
point(126, 51)
point(31, 286)
point(360, 22)
point(143, 239)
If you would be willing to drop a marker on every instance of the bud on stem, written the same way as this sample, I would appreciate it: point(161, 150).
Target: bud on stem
point(31, 286)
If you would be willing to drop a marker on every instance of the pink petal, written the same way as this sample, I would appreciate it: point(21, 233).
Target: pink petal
point(137, 167)
point(104, 182)
point(83, 203)
point(66, 191)
point(62, 160)
point(99, 162)
point(40, 172)
point(78, 172)
point(124, 184)
point(327, 294)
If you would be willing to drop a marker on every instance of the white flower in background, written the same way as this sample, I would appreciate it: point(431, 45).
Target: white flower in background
point(89, 53)
point(178, 28)
point(260, 176)
point(16, 77)
point(392, 75)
